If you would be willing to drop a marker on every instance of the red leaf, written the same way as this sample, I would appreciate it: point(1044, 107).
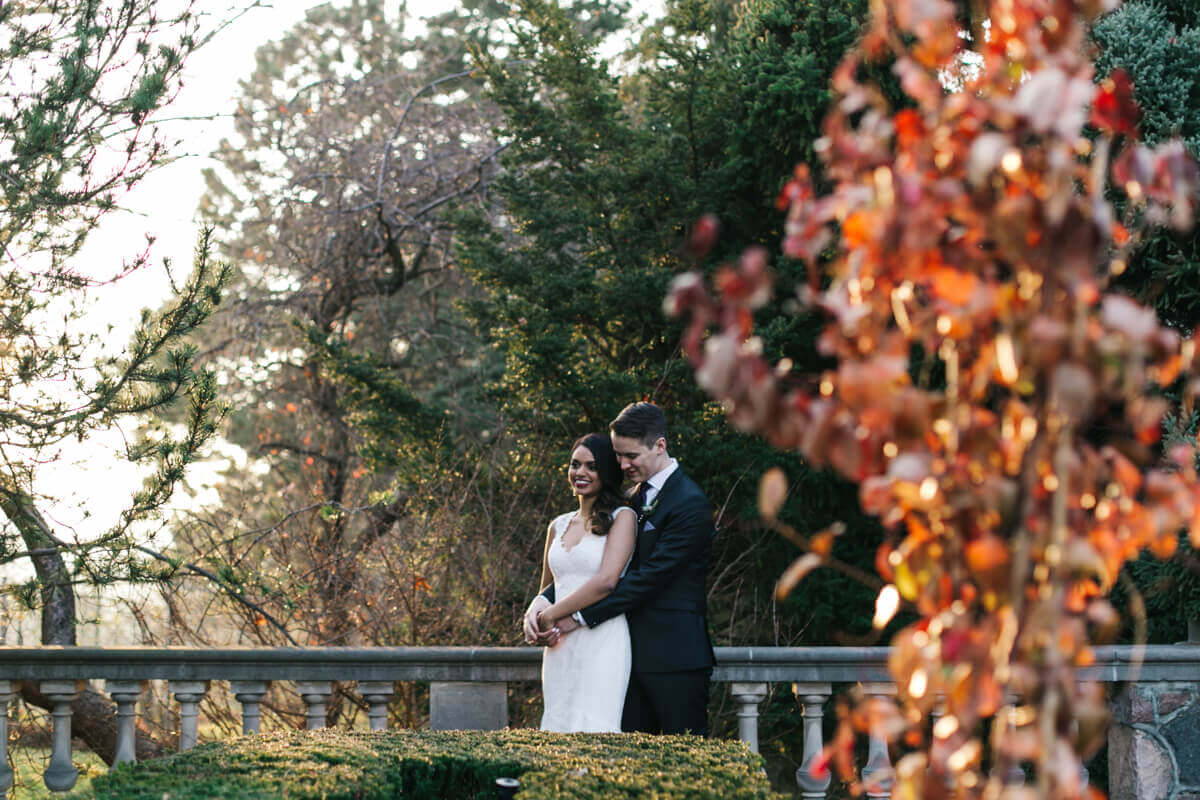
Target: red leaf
point(703, 236)
point(1114, 109)
point(910, 128)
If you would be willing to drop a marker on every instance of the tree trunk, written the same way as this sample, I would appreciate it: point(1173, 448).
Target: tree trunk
point(54, 579)
point(94, 717)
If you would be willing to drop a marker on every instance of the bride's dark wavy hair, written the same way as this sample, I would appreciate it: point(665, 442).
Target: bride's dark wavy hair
point(610, 497)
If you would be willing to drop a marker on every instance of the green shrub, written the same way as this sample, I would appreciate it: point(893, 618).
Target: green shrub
point(425, 765)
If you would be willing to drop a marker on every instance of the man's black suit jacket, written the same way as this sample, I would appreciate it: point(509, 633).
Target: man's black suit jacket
point(662, 594)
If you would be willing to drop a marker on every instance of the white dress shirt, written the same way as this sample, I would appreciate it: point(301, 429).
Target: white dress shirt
point(657, 480)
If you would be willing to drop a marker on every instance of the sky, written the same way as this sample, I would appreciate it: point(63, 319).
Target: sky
point(165, 202)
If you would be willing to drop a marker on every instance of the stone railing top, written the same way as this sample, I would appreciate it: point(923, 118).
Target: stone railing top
point(771, 664)
point(1146, 663)
point(818, 664)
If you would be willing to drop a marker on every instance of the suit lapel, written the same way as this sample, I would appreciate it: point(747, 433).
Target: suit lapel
point(663, 498)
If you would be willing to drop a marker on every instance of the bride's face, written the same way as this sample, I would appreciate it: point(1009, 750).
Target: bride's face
point(582, 474)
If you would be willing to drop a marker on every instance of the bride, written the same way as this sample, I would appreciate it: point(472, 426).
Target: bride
point(585, 675)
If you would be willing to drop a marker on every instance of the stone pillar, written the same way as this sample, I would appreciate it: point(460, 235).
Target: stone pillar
point(481, 706)
point(1154, 742)
point(125, 694)
point(188, 694)
point(250, 695)
point(877, 772)
point(316, 698)
point(812, 777)
point(61, 774)
point(6, 773)
point(378, 695)
point(748, 696)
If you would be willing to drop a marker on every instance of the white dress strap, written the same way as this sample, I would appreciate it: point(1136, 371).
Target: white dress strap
point(562, 522)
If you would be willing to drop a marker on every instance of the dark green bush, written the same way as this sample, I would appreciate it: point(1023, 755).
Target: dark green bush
point(425, 765)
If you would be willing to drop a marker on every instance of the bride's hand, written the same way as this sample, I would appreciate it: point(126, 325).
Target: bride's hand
point(557, 629)
point(533, 631)
point(547, 628)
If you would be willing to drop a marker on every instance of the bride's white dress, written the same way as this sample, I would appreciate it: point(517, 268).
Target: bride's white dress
point(584, 676)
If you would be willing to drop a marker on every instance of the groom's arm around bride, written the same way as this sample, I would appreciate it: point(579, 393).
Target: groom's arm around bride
point(663, 593)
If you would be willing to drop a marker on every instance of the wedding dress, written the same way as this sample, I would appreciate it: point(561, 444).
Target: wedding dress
point(584, 676)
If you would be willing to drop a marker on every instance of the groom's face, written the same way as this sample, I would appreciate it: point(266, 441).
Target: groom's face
point(640, 461)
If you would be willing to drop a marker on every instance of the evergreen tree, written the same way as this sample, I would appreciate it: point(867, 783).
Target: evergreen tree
point(82, 80)
point(1158, 45)
point(603, 178)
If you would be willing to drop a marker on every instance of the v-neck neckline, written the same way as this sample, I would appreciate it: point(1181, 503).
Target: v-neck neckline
point(563, 536)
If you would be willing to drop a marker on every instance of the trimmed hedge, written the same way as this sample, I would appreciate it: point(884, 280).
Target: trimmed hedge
point(428, 765)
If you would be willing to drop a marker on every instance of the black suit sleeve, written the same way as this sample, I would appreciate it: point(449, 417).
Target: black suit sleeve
point(548, 593)
point(682, 540)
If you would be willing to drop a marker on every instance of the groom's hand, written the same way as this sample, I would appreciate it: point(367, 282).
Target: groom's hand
point(533, 631)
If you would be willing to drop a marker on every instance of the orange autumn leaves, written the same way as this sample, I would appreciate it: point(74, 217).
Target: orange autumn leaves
point(999, 405)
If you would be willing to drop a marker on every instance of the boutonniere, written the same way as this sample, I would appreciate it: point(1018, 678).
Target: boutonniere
point(646, 510)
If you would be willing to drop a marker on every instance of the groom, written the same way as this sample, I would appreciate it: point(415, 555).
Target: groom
point(662, 594)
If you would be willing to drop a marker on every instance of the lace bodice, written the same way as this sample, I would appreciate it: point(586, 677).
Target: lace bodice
point(573, 566)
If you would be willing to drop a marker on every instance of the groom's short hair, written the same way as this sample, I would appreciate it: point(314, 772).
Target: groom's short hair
point(645, 422)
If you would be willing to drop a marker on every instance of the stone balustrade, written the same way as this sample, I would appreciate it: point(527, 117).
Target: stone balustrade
point(1156, 695)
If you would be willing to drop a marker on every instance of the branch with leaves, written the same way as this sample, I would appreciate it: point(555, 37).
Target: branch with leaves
point(998, 403)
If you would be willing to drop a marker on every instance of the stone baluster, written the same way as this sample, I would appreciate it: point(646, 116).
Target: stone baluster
point(250, 694)
point(813, 783)
point(188, 694)
point(748, 697)
point(316, 698)
point(6, 773)
point(125, 694)
point(60, 774)
point(378, 695)
point(877, 772)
